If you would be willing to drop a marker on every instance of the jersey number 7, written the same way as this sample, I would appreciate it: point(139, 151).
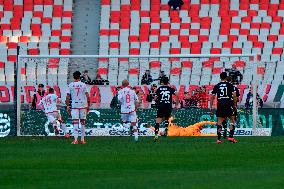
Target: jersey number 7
point(78, 90)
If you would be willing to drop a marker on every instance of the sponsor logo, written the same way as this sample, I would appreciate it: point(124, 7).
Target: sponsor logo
point(5, 124)
point(241, 131)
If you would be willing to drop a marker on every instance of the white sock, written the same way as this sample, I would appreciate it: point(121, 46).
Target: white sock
point(83, 132)
point(135, 133)
point(75, 129)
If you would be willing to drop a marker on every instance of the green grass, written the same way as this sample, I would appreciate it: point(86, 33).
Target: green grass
point(117, 162)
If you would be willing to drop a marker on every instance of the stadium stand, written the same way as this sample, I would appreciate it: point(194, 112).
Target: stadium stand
point(201, 26)
point(147, 27)
point(38, 27)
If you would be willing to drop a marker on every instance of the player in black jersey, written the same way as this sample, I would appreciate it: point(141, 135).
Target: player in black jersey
point(164, 102)
point(225, 93)
point(235, 110)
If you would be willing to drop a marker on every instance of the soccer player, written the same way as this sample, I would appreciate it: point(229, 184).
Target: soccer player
point(225, 92)
point(80, 106)
point(235, 105)
point(164, 102)
point(49, 105)
point(129, 103)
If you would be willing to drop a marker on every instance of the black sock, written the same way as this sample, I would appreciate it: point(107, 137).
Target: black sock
point(219, 130)
point(232, 130)
point(166, 127)
point(157, 127)
point(224, 124)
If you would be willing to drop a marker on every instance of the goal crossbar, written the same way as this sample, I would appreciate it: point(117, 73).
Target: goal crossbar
point(20, 57)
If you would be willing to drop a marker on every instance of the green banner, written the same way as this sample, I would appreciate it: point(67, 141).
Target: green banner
point(35, 122)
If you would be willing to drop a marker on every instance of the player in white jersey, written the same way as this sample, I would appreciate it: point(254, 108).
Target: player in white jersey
point(49, 105)
point(129, 103)
point(80, 106)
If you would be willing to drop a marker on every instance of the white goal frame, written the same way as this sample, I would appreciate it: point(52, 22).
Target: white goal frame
point(20, 57)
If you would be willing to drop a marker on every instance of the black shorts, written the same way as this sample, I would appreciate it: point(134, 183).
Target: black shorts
point(164, 112)
point(224, 110)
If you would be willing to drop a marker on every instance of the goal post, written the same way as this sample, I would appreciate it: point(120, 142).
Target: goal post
point(23, 59)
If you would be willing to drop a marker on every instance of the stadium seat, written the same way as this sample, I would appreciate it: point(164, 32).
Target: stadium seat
point(30, 25)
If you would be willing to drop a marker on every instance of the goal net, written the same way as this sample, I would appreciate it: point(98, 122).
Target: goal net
point(193, 76)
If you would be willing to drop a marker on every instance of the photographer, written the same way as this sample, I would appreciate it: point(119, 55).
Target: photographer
point(151, 96)
point(185, 103)
point(146, 78)
point(235, 74)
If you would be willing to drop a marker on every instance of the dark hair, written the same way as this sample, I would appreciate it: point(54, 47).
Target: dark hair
point(86, 71)
point(223, 75)
point(50, 90)
point(41, 85)
point(76, 75)
point(165, 80)
point(229, 79)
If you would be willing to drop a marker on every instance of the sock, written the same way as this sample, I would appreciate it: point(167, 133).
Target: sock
point(83, 132)
point(224, 124)
point(157, 127)
point(135, 132)
point(166, 127)
point(75, 129)
point(219, 130)
point(232, 130)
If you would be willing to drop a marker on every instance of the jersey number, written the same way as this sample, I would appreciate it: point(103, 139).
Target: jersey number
point(48, 101)
point(127, 98)
point(223, 91)
point(78, 90)
point(165, 96)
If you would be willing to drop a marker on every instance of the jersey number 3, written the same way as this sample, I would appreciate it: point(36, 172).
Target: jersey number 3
point(223, 91)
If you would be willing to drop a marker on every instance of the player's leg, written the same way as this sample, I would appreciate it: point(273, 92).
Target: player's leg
point(62, 126)
point(221, 116)
point(157, 127)
point(51, 118)
point(75, 118)
point(219, 128)
point(167, 117)
point(225, 125)
point(83, 116)
point(133, 120)
point(232, 130)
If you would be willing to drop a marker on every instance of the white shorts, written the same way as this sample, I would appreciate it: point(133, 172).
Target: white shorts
point(79, 113)
point(132, 117)
point(53, 116)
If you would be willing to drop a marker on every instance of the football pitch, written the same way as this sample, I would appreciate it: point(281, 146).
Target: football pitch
point(118, 162)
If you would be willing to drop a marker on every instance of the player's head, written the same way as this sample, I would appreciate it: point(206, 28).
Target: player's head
point(223, 76)
point(165, 81)
point(76, 75)
point(229, 79)
point(50, 90)
point(125, 83)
